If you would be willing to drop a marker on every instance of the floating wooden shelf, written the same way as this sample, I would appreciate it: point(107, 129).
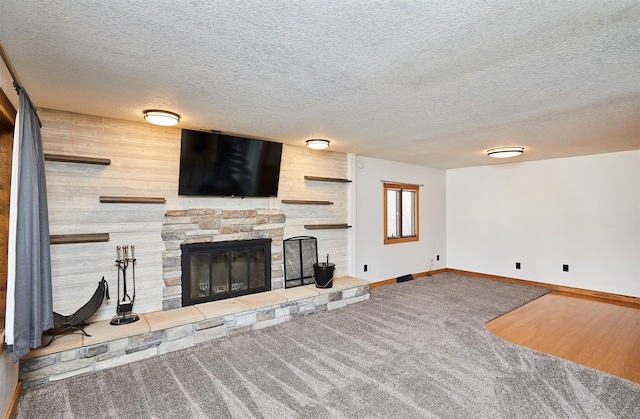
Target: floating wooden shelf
point(76, 159)
point(305, 202)
point(132, 200)
point(326, 226)
point(327, 179)
point(78, 238)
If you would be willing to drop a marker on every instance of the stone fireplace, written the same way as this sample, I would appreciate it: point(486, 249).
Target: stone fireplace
point(207, 225)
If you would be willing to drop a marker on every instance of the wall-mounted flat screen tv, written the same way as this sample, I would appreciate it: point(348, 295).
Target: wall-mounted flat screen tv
point(214, 164)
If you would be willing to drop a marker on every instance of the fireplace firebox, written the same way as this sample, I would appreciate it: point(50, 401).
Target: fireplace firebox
point(219, 270)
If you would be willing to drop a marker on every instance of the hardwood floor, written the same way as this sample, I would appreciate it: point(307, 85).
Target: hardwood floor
point(602, 334)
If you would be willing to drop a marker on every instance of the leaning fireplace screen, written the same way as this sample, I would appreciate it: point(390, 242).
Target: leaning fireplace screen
point(300, 253)
point(214, 271)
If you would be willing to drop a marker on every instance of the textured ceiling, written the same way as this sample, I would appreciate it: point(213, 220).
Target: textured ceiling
point(434, 83)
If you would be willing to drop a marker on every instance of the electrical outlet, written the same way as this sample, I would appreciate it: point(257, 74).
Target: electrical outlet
point(365, 268)
point(565, 268)
point(437, 257)
point(517, 265)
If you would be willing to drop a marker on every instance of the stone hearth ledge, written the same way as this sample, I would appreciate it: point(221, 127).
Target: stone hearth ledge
point(103, 331)
point(165, 331)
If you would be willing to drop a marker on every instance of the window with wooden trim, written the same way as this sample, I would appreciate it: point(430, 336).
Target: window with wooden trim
point(401, 213)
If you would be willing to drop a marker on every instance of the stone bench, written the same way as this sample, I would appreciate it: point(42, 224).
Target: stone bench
point(162, 332)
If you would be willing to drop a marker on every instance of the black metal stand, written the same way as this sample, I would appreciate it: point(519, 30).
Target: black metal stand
point(124, 309)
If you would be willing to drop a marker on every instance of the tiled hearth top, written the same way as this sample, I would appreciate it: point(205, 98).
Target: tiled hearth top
point(102, 331)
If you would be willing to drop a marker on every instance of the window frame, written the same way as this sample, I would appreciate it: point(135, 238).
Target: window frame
point(416, 212)
point(7, 122)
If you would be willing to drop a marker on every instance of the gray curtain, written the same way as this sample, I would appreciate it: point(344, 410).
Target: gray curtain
point(33, 296)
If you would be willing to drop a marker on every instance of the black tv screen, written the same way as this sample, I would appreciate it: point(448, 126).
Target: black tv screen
point(214, 164)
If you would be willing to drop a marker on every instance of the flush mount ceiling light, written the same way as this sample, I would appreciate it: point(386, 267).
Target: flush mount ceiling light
point(159, 117)
point(505, 152)
point(318, 144)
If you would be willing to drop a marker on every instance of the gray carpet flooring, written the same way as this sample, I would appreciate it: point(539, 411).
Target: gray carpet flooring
point(417, 349)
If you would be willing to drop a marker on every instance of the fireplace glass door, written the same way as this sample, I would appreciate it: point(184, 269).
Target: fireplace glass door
point(213, 271)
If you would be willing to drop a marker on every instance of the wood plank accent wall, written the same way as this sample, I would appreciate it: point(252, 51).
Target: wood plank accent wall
point(301, 162)
point(145, 163)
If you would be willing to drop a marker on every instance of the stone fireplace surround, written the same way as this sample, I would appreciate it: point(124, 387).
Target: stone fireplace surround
point(205, 225)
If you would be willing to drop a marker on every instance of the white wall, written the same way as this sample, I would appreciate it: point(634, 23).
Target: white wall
point(393, 260)
point(580, 211)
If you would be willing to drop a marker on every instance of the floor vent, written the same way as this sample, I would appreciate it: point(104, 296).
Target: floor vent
point(404, 278)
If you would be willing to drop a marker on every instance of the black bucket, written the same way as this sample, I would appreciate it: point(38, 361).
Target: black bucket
point(323, 274)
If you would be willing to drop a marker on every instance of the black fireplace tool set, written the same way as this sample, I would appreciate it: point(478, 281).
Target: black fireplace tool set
point(124, 309)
